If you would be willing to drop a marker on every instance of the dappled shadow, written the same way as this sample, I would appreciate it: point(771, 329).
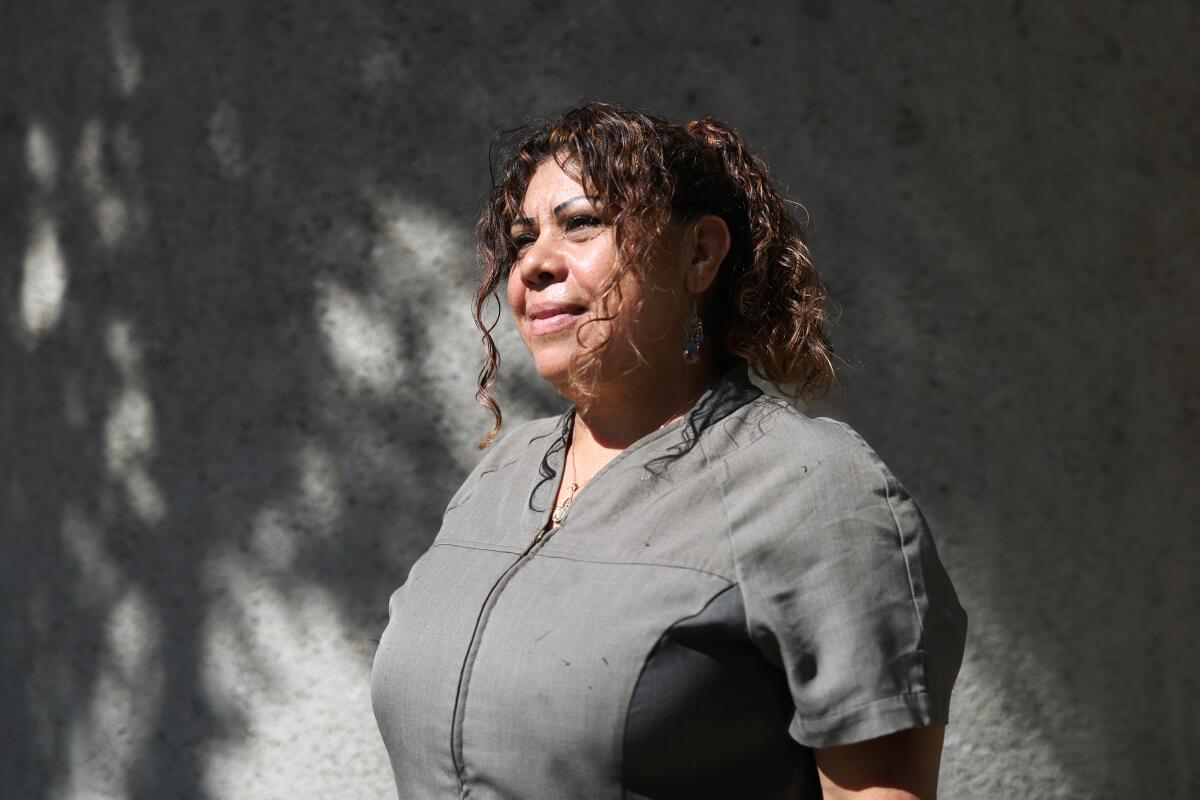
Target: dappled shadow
point(203, 434)
point(238, 360)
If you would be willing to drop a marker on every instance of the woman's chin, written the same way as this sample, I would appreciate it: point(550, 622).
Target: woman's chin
point(553, 364)
point(554, 370)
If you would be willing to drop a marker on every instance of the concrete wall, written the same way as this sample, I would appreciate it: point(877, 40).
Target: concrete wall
point(237, 356)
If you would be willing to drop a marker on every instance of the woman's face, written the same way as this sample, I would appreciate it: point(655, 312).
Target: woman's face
point(565, 255)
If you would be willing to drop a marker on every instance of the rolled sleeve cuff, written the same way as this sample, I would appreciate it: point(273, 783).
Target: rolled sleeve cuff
point(868, 721)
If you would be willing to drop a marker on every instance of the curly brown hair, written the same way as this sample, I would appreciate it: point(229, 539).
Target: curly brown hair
point(649, 177)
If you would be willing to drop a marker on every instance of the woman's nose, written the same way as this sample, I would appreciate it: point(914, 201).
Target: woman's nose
point(542, 263)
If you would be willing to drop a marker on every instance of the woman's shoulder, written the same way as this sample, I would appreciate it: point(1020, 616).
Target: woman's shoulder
point(811, 486)
point(507, 451)
point(793, 461)
point(510, 446)
point(779, 437)
point(525, 435)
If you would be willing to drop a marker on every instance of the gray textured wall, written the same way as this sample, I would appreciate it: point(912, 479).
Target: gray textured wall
point(237, 357)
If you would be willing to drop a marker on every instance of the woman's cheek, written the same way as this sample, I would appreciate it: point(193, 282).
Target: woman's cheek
point(516, 299)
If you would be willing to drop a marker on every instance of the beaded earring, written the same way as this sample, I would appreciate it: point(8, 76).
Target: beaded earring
point(693, 335)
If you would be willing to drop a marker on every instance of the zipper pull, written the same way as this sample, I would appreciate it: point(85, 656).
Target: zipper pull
point(540, 535)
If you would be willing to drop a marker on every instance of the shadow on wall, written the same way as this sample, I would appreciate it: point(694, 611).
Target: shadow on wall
point(238, 367)
point(228, 429)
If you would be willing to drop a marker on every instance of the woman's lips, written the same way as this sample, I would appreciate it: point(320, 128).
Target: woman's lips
point(557, 322)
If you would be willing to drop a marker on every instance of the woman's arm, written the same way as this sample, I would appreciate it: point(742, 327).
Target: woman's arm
point(899, 766)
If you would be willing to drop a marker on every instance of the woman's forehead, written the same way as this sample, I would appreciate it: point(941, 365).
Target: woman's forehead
point(549, 189)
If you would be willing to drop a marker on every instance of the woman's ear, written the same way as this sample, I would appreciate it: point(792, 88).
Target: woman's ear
point(710, 245)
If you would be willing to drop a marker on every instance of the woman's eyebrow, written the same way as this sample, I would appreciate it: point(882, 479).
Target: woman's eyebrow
point(526, 222)
point(558, 208)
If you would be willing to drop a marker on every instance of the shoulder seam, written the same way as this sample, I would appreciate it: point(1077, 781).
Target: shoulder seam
point(718, 479)
point(685, 567)
point(889, 496)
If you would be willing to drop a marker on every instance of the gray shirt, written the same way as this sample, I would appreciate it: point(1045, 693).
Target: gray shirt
point(726, 594)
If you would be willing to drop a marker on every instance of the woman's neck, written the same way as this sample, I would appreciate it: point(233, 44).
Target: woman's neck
point(642, 404)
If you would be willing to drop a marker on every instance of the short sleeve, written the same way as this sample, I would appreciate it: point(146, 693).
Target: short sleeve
point(842, 585)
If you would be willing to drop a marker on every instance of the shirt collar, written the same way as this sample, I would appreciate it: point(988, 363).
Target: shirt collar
point(728, 391)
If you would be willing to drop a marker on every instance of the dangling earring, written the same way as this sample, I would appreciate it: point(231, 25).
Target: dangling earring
point(693, 335)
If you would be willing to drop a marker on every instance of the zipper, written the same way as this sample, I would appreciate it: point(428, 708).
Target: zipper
point(472, 648)
point(547, 530)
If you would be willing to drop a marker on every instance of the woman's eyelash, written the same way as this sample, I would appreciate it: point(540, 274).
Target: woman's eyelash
point(586, 219)
point(577, 221)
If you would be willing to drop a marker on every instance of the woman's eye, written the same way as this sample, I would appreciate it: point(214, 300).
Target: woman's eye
point(577, 222)
point(582, 221)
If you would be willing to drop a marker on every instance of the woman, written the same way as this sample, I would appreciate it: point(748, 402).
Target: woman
point(681, 586)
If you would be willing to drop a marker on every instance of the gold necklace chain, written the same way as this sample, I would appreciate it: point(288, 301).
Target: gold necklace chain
point(560, 510)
